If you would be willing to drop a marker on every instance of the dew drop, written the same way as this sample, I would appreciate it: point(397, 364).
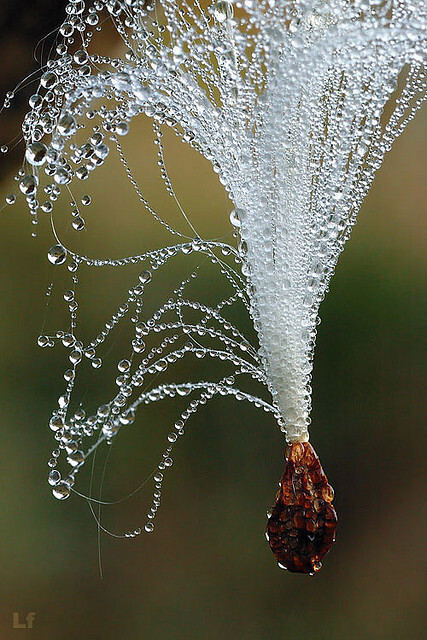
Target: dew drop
point(28, 184)
point(76, 458)
point(66, 125)
point(123, 365)
point(36, 153)
point(80, 57)
point(54, 477)
point(62, 176)
point(61, 491)
point(57, 254)
point(235, 218)
point(43, 341)
point(122, 128)
point(75, 356)
point(145, 277)
point(49, 80)
point(223, 10)
point(78, 223)
point(56, 423)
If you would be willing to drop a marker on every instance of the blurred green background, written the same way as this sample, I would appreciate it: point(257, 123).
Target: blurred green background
point(207, 571)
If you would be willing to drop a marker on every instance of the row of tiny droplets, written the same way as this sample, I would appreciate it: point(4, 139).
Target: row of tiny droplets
point(95, 150)
point(76, 458)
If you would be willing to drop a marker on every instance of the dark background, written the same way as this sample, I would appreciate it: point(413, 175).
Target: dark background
point(207, 571)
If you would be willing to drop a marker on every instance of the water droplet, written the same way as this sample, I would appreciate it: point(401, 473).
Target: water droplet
point(35, 100)
point(66, 125)
point(61, 491)
point(82, 173)
point(49, 80)
point(103, 411)
point(78, 223)
point(80, 57)
point(145, 277)
point(76, 458)
point(54, 477)
point(236, 217)
point(62, 176)
point(36, 153)
point(122, 128)
point(223, 10)
point(56, 423)
point(47, 207)
point(57, 254)
point(75, 356)
point(43, 341)
point(123, 365)
point(28, 184)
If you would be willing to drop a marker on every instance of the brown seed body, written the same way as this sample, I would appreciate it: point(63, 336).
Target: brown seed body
point(301, 527)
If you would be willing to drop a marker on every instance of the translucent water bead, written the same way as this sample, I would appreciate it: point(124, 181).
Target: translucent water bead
point(223, 10)
point(61, 491)
point(57, 254)
point(36, 153)
point(66, 125)
point(28, 184)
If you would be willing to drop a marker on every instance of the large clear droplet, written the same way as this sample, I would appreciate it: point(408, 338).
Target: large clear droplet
point(76, 458)
point(145, 277)
point(48, 80)
point(28, 184)
point(61, 491)
point(36, 153)
point(66, 125)
point(81, 56)
point(223, 10)
point(235, 218)
point(54, 477)
point(62, 176)
point(57, 254)
point(56, 423)
point(123, 365)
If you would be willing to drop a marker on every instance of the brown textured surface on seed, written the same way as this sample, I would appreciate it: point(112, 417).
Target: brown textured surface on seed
point(301, 527)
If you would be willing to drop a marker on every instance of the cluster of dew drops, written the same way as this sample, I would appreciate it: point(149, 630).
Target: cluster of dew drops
point(145, 81)
point(61, 160)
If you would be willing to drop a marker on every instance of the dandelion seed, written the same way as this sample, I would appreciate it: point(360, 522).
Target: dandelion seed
point(295, 104)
